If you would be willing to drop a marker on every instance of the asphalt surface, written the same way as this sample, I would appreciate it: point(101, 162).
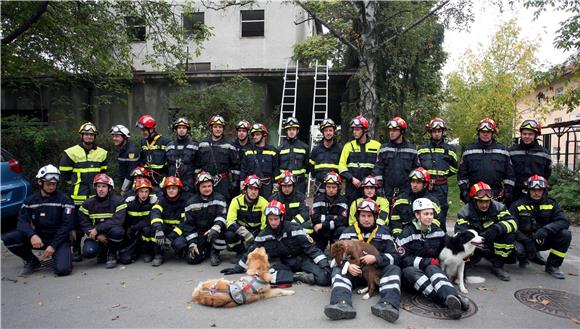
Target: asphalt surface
point(139, 295)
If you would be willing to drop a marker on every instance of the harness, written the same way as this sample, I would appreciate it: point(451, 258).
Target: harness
point(360, 236)
point(246, 286)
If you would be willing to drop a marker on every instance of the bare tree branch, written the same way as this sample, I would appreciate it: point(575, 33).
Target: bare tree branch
point(415, 23)
point(303, 21)
point(40, 10)
point(330, 28)
point(221, 5)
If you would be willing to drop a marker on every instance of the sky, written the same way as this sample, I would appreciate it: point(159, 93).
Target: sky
point(487, 19)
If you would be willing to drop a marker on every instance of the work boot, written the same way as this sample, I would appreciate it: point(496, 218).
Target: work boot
point(304, 277)
point(339, 311)
point(500, 272)
point(77, 256)
point(111, 261)
point(464, 303)
point(157, 260)
point(101, 258)
point(30, 266)
point(523, 263)
point(454, 305)
point(214, 257)
point(385, 311)
point(555, 272)
point(147, 258)
point(538, 259)
point(237, 257)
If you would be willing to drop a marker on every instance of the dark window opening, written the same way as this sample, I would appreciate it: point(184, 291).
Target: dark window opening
point(192, 23)
point(136, 28)
point(252, 23)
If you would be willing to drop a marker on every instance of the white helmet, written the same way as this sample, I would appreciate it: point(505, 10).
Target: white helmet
point(422, 204)
point(48, 173)
point(120, 130)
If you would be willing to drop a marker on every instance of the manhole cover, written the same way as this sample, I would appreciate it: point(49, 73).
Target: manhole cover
point(423, 306)
point(553, 302)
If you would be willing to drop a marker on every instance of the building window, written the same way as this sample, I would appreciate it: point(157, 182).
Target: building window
point(192, 23)
point(557, 120)
point(540, 98)
point(197, 67)
point(135, 28)
point(559, 91)
point(252, 23)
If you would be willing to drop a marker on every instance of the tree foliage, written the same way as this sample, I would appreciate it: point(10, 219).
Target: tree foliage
point(490, 84)
point(235, 99)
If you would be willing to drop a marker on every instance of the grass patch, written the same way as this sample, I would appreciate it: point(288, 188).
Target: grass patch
point(453, 199)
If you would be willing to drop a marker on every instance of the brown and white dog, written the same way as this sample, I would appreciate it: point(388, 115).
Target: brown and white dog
point(250, 288)
point(345, 252)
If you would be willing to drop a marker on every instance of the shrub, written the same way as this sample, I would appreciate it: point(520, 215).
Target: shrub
point(565, 185)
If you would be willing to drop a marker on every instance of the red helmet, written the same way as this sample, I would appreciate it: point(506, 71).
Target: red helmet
point(244, 124)
point(359, 122)
point(142, 182)
point(171, 181)
point(481, 191)
point(531, 125)
point(487, 124)
point(370, 181)
point(259, 128)
point(370, 205)
point(436, 123)
point(203, 176)
point(397, 123)
point(216, 120)
point(332, 178)
point(537, 182)
point(146, 122)
point(287, 178)
point(420, 174)
point(252, 181)
point(103, 179)
point(275, 207)
point(140, 171)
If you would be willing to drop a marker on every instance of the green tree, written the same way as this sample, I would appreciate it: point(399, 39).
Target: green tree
point(396, 48)
point(490, 84)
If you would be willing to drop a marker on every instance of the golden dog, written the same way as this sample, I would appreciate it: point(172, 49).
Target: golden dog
point(250, 288)
point(350, 251)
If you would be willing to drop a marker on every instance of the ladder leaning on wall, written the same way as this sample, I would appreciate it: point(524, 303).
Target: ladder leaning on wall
point(289, 93)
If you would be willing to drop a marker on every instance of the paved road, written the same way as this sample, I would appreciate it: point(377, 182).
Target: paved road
point(139, 295)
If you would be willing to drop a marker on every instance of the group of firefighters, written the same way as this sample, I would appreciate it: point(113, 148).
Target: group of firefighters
point(200, 198)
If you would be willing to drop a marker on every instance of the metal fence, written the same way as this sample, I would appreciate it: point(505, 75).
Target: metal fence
point(563, 143)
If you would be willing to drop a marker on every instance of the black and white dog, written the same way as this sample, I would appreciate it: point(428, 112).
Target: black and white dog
point(457, 251)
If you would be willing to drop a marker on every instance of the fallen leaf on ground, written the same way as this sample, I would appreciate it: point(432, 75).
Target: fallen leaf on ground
point(123, 284)
point(546, 302)
point(189, 307)
point(575, 320)
point(406, 307)
point(482, 288)
point(116, 317)
point(39, 302)
point(493, 289)
point(532, 300)
point(213, 325)
point(116, 305)
point(572, 274)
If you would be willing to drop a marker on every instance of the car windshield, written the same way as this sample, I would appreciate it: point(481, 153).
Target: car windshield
point(5, 156)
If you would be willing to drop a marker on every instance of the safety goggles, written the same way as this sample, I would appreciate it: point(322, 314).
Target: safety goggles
point(292, 121)
point(89, 129)
point(368, 206)
point(393, 124)
point(485, 126)
point(218, 120)
point(537, 184)
point(370, 182)
point(415, 174)
point(356, 122)
point(256, 128)
point(437, 125)
point(204, 177)
point(331, 179)
point(243, 125)
point(287, 180)
point(273, 211)
point(117, 131)
point(51, 178)
point(484, 195)
point(254, 182)
point(139, 172)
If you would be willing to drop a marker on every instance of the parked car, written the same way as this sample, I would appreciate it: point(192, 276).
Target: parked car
point(14, 188)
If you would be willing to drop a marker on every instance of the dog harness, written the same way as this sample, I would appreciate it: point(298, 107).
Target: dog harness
point(242, 289)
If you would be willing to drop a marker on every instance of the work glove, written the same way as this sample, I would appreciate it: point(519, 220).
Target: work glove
point(233, 270)
point(193, 250)
point(160, 237)
point(126, 187)
point(245, 234)
point(490, 235)
point(213, 233)
point(540, 236)
point(464, 195)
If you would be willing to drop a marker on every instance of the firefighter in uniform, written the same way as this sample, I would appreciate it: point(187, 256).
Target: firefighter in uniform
point(529, 157)
point(153, 149)
point(166, 216)
point(329, 212)
point(420, 244)
point(370, 187)
point(245, 216)
point(128, 157)
point(293, 155)
point(44, 222)
point(542, 226)
point(395, 161)
point(137, 223)
point(242, 143)
point(486, 161)
point(204, 224)
point(181, 154)
point(358, 158)
point(493, 221)
point(261, 160)
point(78, 166)
point(294, 201)
point(219, 158)
point(440, 160)
point(101, 218)
point(402, 212)
point(346, 278)
point(325, 156)
point(291, 254)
